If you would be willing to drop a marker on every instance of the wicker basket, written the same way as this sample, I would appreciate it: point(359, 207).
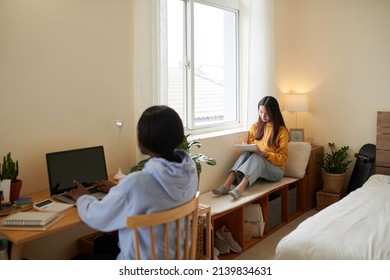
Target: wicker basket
point(324, 199)
point(200, 245)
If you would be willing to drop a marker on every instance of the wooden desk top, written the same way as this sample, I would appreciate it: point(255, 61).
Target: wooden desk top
point(70, 219)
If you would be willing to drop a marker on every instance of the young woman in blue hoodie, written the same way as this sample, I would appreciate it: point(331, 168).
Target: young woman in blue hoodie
point(168, 179)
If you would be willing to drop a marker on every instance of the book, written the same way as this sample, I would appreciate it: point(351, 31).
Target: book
point(247, 147)
point(33, 228)
point(29, 219)
point(23, 202)
point(10, 209)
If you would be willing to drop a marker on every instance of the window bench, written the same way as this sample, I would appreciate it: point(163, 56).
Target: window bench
point(227, 211)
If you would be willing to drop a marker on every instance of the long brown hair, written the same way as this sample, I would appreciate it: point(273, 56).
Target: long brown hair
point(273, 110)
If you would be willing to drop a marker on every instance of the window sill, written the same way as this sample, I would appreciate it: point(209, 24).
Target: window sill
point(216, 133)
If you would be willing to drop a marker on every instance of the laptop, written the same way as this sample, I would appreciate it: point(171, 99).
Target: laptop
point(85, 165)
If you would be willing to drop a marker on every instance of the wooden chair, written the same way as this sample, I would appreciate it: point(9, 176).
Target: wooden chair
point(188, 210)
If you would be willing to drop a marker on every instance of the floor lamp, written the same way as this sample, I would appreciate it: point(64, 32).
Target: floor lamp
point(119, 175)
point(296, 103)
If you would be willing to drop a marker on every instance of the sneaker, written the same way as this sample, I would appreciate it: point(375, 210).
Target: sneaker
point(224, 234)
point(222, 246)
point(216, 253)
point(221, 190)
point(235, 193)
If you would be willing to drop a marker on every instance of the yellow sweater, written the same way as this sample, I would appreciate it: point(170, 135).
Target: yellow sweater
point(277, 154)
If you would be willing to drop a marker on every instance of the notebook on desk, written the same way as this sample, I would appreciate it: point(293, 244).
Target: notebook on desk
point(85, 165)
point(32, 220)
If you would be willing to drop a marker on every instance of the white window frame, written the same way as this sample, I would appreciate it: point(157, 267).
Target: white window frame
point(189, 118)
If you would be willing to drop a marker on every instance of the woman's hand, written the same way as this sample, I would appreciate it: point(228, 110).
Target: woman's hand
point(262, 153)
point(104, 185)
point(78, 191)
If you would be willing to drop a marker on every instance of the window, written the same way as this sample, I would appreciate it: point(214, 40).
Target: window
point(199, 61)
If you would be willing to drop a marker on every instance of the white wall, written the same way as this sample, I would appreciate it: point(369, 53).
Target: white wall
point(66, 74)
point(336, 51)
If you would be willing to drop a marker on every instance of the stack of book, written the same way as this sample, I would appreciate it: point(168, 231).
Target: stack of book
point(23, 202)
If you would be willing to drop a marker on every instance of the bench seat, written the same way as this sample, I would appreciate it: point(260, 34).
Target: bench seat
point(223, 203)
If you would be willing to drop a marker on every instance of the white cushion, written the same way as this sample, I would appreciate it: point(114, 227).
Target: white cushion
point(298, 157)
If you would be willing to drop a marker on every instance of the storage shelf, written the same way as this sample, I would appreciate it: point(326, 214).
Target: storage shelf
point(234, 219)
point(300, 192)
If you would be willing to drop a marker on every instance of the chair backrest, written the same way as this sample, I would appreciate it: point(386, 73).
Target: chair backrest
point(187, 213)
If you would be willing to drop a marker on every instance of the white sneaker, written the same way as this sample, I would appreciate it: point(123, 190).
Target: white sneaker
point(216, 253)
point(224, 234)
point(222, 246)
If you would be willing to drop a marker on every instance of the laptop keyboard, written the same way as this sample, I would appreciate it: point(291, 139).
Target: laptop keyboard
point(94, 189)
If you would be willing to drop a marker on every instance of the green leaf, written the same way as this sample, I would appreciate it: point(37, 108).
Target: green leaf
point(336, 161)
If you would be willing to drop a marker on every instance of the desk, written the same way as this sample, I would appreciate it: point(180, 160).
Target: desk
point(19, 238)
point(71, 219)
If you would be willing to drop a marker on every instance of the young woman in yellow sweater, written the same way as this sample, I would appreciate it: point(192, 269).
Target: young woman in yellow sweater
point(271, 136)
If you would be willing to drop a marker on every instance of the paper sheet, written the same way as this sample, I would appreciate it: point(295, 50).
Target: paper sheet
point(5, 186)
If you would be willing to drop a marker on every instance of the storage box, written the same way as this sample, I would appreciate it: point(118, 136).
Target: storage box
point(254, 215)
point(324, 199)
point(275, 211)
point(292, 200)
point(257, 228)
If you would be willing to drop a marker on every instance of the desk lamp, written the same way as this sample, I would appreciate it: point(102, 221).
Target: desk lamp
point(296, 103)
point(119, 175)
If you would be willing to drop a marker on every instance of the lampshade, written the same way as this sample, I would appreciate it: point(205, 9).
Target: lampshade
point(296, 103)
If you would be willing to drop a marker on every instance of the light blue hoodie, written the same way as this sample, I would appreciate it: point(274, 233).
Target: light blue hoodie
point(159, 186)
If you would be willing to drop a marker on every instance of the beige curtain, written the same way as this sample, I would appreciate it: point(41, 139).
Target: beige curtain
point(147, 57)
point(260, 78)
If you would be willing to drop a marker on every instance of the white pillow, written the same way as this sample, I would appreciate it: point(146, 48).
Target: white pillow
point(298, 157)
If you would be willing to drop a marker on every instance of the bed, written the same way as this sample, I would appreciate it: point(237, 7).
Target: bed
point(356, 227)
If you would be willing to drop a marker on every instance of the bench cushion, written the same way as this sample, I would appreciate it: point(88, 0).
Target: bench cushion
point(220, 204)
point(298, 157)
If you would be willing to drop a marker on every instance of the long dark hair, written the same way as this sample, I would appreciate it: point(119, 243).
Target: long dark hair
point(272, 106)
point(160, 130)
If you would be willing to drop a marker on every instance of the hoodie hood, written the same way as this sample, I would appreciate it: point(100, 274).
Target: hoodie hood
point(174, 177)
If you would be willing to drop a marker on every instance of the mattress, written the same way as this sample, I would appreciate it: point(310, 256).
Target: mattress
point(356, 227)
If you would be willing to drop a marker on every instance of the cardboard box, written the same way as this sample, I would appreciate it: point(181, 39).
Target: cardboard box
point(257, 228)
point(254, 215)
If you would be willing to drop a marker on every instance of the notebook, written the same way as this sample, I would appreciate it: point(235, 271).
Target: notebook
point(247, 147)
point(85, 165)
point(30, 221)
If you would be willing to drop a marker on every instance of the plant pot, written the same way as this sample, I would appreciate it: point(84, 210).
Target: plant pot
point(15, 190)
point(334, 183)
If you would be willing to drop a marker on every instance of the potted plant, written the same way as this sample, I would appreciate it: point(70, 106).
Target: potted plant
point(334, 167)
point(9, 170)
point(185, 145)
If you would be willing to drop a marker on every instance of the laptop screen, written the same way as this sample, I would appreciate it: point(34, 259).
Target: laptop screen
point(85, 165)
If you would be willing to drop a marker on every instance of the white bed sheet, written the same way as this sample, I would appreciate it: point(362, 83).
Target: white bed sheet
point(356, 227)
